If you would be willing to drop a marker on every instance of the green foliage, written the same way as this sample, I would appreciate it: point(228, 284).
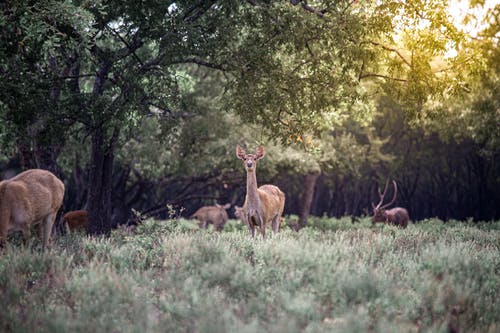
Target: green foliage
point(170, 276)
point(304, 76)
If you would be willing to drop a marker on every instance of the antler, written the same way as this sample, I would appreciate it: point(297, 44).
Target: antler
point(382, 195)
point(395, 195)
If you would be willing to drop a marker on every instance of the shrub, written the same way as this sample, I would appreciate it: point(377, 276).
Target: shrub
point(331, 276)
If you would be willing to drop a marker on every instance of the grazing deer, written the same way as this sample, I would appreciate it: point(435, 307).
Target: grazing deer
point(215, 215)
point(32, 197)
point(397, 216)
point(264, 204)
point(76, 220)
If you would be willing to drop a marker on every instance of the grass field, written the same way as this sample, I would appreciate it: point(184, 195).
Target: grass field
point(331, 277)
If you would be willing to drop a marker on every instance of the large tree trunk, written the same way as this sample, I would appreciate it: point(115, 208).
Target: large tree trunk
point(100, 184)
point(307, 197)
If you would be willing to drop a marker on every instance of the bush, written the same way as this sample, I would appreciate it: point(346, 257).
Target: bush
point(331, 276)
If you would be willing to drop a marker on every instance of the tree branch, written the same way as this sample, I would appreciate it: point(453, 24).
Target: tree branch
point(75, 76)
point(131, 48)
point(303, 4)
point(195, 13)
point(200, 62)
point(362, 76)
point(388, 48)
point(306, 7)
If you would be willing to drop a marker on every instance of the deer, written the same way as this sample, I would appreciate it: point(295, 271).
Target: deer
point(264, 204)
point(76, 220)
point(215, 215)
point(240, 214)
point(32, 197)
point(397, 216)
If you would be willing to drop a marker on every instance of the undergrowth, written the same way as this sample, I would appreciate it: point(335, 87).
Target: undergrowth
point(169, 276)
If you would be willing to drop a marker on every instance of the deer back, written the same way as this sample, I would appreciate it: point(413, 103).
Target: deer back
point(30, 197)
point(77, 219)
point(398, 216)
point(213, 214)
point(272, 201)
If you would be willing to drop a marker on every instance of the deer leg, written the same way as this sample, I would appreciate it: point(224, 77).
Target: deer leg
point(262, 226)
point(276, 224)
point(251, 225)
point(3, 238)
point(252, 229)
point(46, 229)
point(26, 230)
point(202, 224)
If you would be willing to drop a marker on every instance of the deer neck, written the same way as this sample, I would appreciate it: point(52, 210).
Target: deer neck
point(252, 194)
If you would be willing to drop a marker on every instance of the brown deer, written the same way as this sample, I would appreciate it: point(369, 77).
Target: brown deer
point(215, 215)
point(76, 220)
point(32, 197)
point(264, 204)
point(239, 213)
point(397, 216)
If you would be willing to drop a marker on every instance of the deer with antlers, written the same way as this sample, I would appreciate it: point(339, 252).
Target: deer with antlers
point(264, 204)
point(397, 216)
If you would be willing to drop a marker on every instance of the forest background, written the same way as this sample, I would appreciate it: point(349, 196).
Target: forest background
point(139, 105)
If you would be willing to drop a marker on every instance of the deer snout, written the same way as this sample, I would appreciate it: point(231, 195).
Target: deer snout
point(249, 164)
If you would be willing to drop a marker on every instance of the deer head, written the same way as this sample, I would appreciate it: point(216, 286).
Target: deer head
point(379, 214)
point(250, 160)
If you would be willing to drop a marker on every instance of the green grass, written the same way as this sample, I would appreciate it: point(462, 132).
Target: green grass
point(332, 276)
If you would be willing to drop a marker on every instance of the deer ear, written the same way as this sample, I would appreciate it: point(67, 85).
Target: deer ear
point(260, 153)
point(240, 153)
point(227, 206)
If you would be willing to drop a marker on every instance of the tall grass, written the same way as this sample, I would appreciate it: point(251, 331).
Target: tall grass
point(333, 276)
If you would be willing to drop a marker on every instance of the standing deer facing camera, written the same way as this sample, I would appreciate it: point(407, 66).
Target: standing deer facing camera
point(32, 197)
point(264, 204)
point(397, 216)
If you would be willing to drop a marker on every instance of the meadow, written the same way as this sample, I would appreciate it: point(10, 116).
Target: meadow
point(333, 276)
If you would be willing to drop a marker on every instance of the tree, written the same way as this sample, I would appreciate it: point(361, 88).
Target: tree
point(109, 66)
point(290, 69)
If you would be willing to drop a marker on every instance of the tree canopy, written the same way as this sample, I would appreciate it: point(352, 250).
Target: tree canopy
point(162, 91)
